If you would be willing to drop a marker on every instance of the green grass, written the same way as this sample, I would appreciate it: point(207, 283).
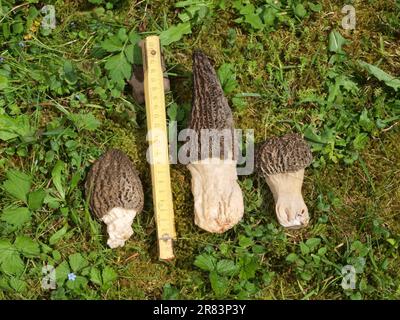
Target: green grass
point(61, 108)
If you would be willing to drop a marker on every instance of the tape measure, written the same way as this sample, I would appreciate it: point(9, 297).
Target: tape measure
point(158, 146)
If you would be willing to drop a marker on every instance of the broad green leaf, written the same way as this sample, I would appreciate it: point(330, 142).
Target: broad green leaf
point(118, 67)
point(84, 121)
point(77, 262)
point(269, 16)
point(112, 44)
point(313, 243)
point(360, 248)
point(205, 262)
point(6, 30)
point(10, 260)
point(95, 276)
point(78, 284)
point(57, 236)
point(4, 285)
point(245, 8)
point(268, 277)
point(18, 285)
point(218, 284)
point(6, 249)
point(13, 264)
point(226, 268)
point(28, 247)
point(170, 292)
point(381, 75)
point(336, 41)
point(254, 20)
point(17, 184)
point(56, 255)
point(122, 34)
point(62, 272)
point(35, 199)
point(16, 216)
point(70, 74)
point(292, 257)
point(134, 38)
point(13, 127)
point(248, 267)
point(310, 135)
point(315, 7)
point(245, 242)
point(172, 111)
point(109, 276)
point(129, 53)
point(304, 248)
point(57, 174)
point(306, 276)
point(227, 77)
point(175, 33)
point(18, 28)
point(300, 11)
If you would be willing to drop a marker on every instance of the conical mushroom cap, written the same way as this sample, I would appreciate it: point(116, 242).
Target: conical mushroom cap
point(113, 182)
point(289, 153)
point(210, 109)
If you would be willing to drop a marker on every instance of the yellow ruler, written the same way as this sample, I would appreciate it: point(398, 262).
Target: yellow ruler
point(158, 146)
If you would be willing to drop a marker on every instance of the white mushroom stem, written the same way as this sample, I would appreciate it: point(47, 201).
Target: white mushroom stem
point(119, 226)
point(290, 208)
point(218, 199)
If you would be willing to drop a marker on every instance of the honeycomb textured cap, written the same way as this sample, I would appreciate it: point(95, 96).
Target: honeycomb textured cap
point(210, 108)
point(288, 153)
point(113, 182)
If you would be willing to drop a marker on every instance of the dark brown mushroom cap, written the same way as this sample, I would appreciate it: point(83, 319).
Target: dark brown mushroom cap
point(210, 108)
point(289, 153)
point(113, 182)
point(137, 79)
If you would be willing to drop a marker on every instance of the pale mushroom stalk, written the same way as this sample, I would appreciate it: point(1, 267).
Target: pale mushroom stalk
point(115, 195)
point(218, 199)
point(282, 162)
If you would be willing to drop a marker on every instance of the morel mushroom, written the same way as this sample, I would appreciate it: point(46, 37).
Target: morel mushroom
point(218, 199)
point(137, 79)
point(115, 195)
point(282, 162)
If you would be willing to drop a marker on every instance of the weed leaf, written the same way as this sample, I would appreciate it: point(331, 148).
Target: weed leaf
point(84, 121)
point(336, 41)
point(28, 247)
point(10, 260)
point(58, 235)
point(35, 199)
point(18, 184)
point(227, 77)
point(77, 262)
point(205, 262)
point(175, 33)
point(381, 75)
point(16, 216)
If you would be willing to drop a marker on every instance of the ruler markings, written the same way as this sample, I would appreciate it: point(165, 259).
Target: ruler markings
point(156, 122)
